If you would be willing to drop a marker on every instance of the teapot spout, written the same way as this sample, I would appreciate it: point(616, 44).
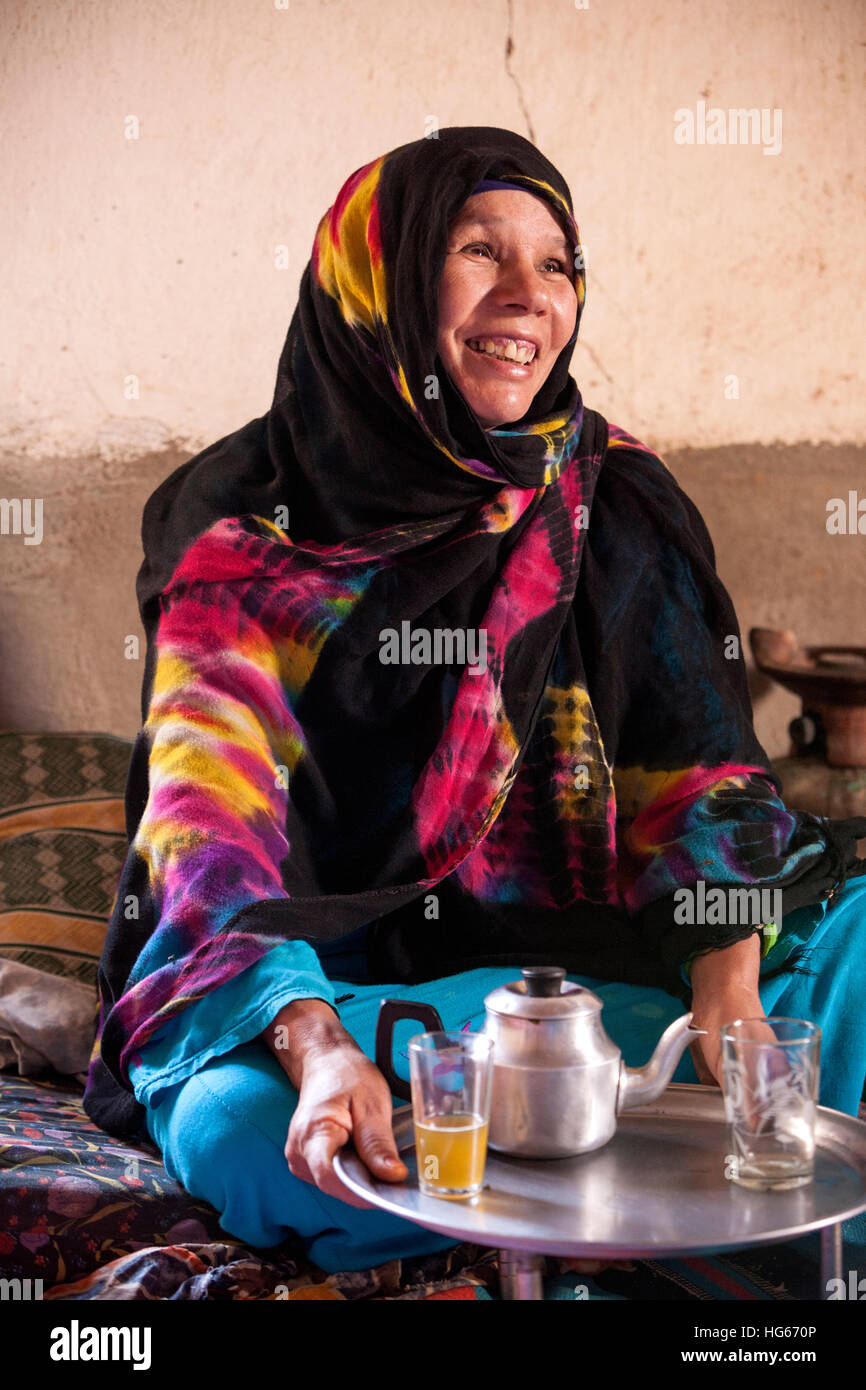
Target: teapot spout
point(638, 1085)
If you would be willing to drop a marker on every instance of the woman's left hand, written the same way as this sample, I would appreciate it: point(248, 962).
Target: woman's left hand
point(712, 1013)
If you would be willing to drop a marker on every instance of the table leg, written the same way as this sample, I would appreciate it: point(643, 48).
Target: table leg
point(520, 1274)
point(831, 1256)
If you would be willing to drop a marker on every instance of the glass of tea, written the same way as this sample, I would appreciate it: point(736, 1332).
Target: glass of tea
point(451, 1076)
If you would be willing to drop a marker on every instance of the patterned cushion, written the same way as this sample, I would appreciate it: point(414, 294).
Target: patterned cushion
point(62, 846)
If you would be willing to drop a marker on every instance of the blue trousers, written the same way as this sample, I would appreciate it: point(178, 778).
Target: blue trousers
point(222, 1131)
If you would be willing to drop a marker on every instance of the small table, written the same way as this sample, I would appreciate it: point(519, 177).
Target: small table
point(656, 1189)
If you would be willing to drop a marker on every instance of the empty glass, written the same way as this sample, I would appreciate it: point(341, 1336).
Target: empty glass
point(770, 1079)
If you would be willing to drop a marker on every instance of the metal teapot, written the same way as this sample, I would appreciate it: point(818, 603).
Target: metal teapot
point(559, 1081)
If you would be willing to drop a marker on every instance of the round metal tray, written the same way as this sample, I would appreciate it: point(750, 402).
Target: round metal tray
point(657, 1188)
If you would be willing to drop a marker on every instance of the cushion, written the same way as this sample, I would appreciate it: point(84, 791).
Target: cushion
point(62, 847)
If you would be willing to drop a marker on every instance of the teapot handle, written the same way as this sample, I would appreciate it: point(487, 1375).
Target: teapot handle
point(390, 1012)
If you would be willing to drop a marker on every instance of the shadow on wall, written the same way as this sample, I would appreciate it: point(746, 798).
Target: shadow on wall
point(766, 507)
point(68, 605)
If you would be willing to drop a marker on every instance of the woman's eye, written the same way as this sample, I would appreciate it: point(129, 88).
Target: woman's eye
point(559, 266)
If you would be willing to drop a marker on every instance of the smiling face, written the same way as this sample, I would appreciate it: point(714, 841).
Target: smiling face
point(507, 285)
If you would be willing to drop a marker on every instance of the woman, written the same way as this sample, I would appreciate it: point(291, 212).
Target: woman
point(323, 804)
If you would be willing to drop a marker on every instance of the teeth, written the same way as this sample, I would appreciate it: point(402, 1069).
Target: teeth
point(510, 351)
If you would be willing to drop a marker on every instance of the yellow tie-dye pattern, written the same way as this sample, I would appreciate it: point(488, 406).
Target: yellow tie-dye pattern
point(350, 274)
point(502, 512)
point(185, 752)
point(198, 730)
point(569, 712)
point(401, 378)
point(544, 427)
point(507, 743)
point(172, 673)
point(276, 531)
point(636, 788)
point(199, 727)
point(296, 661)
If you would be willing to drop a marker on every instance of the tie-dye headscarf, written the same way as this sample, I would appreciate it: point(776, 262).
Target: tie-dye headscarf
point(542, 806)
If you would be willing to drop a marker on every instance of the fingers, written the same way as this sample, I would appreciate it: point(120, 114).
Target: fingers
point(374, 1141)
point(320, 1151)
point(310, 1150)
point(347, 1098)
point(760, 1069)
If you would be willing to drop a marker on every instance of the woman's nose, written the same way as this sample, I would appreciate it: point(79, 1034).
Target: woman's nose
point(520, 282)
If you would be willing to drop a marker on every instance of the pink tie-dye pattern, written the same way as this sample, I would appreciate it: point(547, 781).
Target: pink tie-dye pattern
point(511, 859)
point(455, 801)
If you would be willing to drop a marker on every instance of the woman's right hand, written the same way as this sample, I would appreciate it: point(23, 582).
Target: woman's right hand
point(342, 1095)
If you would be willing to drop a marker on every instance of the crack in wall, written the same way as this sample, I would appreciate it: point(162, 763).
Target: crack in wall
point(594, 358)
point(509, 49)
point(597, 362)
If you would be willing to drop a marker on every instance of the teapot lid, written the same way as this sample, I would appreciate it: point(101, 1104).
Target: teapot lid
point(543, 992)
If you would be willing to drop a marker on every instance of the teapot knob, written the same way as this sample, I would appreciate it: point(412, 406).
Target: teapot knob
point(543, 981)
